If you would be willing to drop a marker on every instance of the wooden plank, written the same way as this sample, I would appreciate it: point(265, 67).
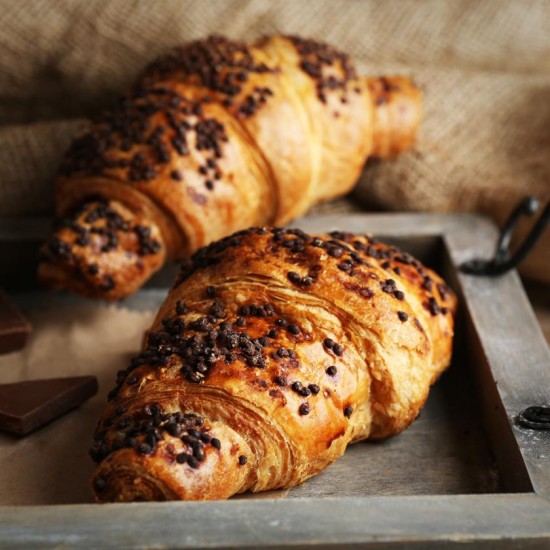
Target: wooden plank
point(517, 357)
point(329, 522)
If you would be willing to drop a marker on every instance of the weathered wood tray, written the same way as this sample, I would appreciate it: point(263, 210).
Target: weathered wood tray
point(465, 471)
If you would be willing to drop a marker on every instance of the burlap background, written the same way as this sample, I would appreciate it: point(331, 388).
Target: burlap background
point(484, 66)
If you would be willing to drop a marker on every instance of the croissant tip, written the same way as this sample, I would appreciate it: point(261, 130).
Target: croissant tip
point(397, 111)
point(102, 251)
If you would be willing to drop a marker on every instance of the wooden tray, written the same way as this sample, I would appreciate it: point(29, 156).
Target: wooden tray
point(465, 471)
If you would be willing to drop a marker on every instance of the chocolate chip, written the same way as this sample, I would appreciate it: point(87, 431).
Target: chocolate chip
point(181, 309)
point(328, 343)
point(182, 458)
point(173, 429)
point(293, 329)
point(335, 252)
point(99, 484)
point(108, 283)
point(432, 306)
point(243, 460)
point(198, 453)
point(144, 449)
point(314, 389)
point(304, 409)
point(402, 316)
point(294, 277)
point(282, 352)
point(211, 291)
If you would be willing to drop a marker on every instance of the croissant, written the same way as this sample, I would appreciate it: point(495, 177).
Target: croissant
point(214, 137)
point(273, 351)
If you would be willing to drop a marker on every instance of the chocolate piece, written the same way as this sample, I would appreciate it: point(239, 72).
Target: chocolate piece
point(26, 406)
point(14, 328)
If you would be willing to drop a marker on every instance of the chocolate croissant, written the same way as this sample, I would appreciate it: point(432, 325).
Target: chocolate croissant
point(273, 351)
point(214, 137)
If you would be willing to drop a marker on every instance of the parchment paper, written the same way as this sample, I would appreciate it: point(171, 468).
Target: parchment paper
point(52, 465)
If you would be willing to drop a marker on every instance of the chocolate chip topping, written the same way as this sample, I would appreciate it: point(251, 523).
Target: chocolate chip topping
point(140, 136)
point(222, 66)
point(255, 337)
point(350, 255)
point(142, 430)
point(318, 61)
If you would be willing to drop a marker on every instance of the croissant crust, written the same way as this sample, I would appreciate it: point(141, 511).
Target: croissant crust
point(213, 137)
point(273, 351)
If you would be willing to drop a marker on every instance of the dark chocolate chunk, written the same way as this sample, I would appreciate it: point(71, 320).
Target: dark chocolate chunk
point(193, 462)
point(338, 349)
point(293, 329)
point(182, 458)
point(26, 406)
point(14, 328)
point(314, 389)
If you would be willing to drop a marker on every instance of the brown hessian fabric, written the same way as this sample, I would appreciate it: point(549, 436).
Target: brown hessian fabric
point(484, 68)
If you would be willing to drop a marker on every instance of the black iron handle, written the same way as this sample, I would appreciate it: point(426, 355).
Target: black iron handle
point(503, 260)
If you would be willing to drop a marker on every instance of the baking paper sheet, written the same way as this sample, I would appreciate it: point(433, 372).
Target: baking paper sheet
point(52, 465)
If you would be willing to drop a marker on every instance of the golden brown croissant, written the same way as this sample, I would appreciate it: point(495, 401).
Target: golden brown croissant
point(273, 351)
point(214, 137)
